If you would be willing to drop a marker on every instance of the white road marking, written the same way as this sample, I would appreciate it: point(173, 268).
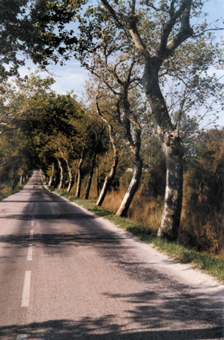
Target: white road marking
point(30, 252)
point(31, 234)
point(26, 289)
point(21, 337)
point(32, 223)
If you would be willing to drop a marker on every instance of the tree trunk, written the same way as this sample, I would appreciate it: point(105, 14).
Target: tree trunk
point(70, 176)
point(51, 176)
point(108, 179)
point(78, 185)
point(170, 220)
point(174, 184)
point(133, 186)
point(21, 180)
point(61, 174)
point(90, 176)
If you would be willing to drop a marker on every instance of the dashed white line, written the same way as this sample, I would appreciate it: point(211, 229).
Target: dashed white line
point(26, 289)
point(31, 234)
point(30, 252)
point(21, 337)
point(32, 223)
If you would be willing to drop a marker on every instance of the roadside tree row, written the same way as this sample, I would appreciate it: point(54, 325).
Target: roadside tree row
point(151, 65)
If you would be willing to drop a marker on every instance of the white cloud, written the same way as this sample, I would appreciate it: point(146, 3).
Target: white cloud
point(67, 78)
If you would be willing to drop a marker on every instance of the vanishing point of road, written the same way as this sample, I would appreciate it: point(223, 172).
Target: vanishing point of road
point(68, 274)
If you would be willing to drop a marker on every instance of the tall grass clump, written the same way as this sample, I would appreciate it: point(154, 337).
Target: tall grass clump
point(6, 189)
point(202, 217)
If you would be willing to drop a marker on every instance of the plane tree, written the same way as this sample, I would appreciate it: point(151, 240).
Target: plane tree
point(117, 75)
point(100, 104)
point(169, 45)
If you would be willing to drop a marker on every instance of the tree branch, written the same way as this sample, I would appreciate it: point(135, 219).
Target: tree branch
point(185, 30)
point(207, 30)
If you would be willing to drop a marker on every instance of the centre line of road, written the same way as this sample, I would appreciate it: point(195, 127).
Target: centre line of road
point(31, 234)
point(26, 289)
point(30, 252)
point(32, 223)
point(21, 337)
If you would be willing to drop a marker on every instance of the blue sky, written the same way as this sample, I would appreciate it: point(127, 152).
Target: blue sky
point(71, 77)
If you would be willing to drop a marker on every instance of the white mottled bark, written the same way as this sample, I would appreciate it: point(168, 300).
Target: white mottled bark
point(133, 186)
point(51, 176)
point(78, 184)
point(21, 180)
point(70, 176)
point(61, 174)
point(170, 220)
point(108, 178)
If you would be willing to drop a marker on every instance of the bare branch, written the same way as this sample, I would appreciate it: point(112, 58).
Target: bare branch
point(149, 4)
point(207, 30)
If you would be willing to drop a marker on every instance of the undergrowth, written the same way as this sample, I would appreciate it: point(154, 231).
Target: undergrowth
point(211, 264)
point(6, 190)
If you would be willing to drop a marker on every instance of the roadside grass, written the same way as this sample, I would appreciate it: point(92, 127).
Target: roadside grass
point(6, 191)
point(211, 264)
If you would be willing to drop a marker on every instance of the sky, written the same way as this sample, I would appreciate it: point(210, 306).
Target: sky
point(72, 77)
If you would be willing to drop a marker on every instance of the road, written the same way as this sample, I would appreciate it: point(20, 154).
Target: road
point(67, 274)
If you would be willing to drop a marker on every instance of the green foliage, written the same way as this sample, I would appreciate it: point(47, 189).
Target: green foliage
point(28, 28)
point(11, 24)
point(47, 126)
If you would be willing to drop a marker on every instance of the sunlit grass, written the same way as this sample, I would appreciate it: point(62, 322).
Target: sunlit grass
point(211, 264)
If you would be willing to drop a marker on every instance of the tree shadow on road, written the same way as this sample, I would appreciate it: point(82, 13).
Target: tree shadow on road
point(163, 301)
point(101, 329)
point(163, 304)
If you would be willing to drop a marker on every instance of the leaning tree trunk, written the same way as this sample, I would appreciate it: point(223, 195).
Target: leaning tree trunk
point(51, 176)
point(61, 174)
point(78, 185)
point(90, 176)
point(107, 182)
point(110, 177)
point(133, 187)
point(70, 180)
point(170, 220)
point(70, 176)
point(133, 135)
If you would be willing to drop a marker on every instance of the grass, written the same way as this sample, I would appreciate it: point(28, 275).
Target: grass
point(211, 264)
point(6, 191)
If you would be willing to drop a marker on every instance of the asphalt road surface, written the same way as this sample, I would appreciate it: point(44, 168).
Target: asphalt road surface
point(67, 274)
